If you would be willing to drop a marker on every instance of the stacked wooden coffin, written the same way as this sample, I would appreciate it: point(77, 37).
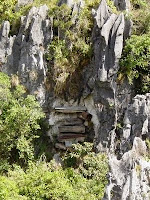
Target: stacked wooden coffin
point(72, 130)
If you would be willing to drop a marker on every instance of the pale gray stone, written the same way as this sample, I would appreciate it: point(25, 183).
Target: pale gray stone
point(130, 174)
point(122, 4)
point(24, 2)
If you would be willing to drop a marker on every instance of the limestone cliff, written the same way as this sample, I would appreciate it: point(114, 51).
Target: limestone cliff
point(121, 120)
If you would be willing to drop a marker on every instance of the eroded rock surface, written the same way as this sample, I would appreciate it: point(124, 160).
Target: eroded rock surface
point(130, 176)
point(23, 54)
point(24, 2)
point(136, 120)
point(108, 38)
point(122, 4)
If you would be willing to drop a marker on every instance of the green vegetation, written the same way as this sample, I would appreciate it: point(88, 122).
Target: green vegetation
point(19, 122)
point(135, 61)
point(9, 12)
point(92, 166)
point(140, 16)
point(44, 181)
point(148, 149)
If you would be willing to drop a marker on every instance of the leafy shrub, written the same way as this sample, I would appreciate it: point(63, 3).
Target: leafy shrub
point(147, 141)
point(44, 181)
point(40, 182)
point(9, 190)
point(8, 12)
point(140, 16)
point(135, 60)
point(90, 165)
point(139, 3)
point(7, 9)
point(136, 53)
point(19, 121)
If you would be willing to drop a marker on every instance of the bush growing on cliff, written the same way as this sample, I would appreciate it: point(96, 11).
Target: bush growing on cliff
point(136, 56)
point(90, 165)
point(44, 181)
point(140, 16)
point(19, 122)
point(135, 61)
point(71, 47)
point(10, 12)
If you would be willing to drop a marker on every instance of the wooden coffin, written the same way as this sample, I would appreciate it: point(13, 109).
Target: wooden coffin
point(71, 121)
point(71, 137)
point(70, 109)
point(72, 129)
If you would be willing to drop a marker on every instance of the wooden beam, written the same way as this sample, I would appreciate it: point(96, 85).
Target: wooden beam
point(72, 129)
point(71, 137)
point(70, 109)
point(71, 121)
point(79, 139)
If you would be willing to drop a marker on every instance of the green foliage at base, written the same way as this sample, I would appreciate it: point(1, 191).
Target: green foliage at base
point(44, 181)
point(90, 165)
point(19, 122)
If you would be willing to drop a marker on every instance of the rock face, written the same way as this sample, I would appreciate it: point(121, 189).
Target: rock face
point(130, 172)
point(120, 120)
point(4, 42)
point(122, 4)
point(129, 177)
point(136, 120)
point(108, 37)
point(24, 2)
point(23, 54)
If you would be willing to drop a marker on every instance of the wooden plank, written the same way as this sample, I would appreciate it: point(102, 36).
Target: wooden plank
point(71, 137)
point(73, 129)
point(79, 139)
point(70, 109)
point(72, 133)
point(71, 121)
